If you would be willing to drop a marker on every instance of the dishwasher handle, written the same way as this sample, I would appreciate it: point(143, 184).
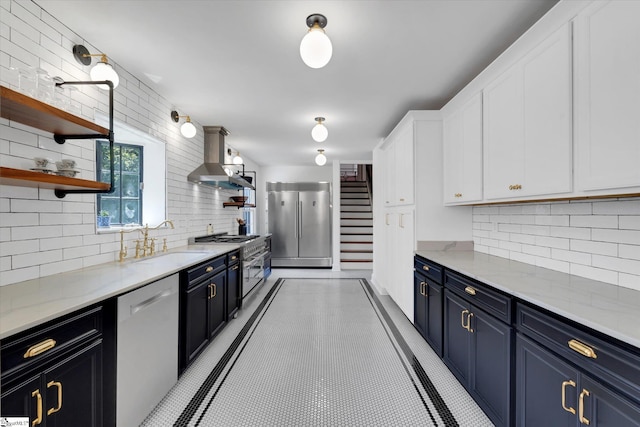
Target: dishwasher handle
point(149, 302)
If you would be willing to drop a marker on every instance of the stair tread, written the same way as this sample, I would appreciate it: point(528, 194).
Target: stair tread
point(356, 260)
point(356, 251)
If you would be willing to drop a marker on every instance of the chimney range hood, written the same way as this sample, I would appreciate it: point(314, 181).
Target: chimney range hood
point(213, 171)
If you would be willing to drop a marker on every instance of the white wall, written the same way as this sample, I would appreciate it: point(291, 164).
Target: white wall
point(598, 239)
point(42, 235)
point(311, 173)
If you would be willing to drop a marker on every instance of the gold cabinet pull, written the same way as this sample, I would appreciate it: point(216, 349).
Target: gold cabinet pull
point(234, 268)
point(58, 385)
point(564, 404)
point(515, 187)
point(215, 289)
point(209, 269)
point(583, 420)
point(40, 348)
point(402, 200)
point(458, 195)
point(583, 349)
point(469, 328)
point(470, 290)
point(209, 287)
point(38, 397)
point(462, 319)
point(233, 258)
point(425, 268)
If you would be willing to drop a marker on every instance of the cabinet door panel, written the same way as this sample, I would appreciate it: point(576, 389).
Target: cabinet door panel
point(491, 365)
point(539, 384)
point(74, 390)
point(404, 157)
point(456, 337)
point(605, 408)
point(608, 55)
point(434, 317)
point(21, 400)
point(196, 326)
point(233, 290)
point(419, 304)
point(217, 315)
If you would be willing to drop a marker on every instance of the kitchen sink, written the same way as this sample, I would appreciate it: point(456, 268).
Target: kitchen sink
point(171, 257)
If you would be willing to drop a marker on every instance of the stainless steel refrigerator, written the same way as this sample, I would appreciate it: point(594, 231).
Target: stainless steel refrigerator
point(300, 222)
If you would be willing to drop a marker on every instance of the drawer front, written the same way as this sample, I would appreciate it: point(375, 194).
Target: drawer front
point(233, 258)
point(493, 302)
point(195, 274)
point(618, 366)
point(428, 269)
point(43, 342)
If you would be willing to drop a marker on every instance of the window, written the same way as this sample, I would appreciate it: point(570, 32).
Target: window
point(125, 203)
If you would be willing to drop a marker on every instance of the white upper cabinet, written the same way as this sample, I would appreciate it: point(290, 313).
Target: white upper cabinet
point(463, 154)
point(399, 167)
point(608, 97)
point(528, 124)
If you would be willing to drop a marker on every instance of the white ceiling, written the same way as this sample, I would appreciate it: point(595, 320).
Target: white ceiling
point(236, 63)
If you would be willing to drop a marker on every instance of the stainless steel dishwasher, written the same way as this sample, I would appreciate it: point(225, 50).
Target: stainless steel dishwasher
point(147, 360)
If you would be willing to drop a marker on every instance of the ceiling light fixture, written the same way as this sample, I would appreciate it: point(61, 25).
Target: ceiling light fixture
point(321, 159)
point(102, 71)
point(319, 133)
point(315, 47)
point(188, 130)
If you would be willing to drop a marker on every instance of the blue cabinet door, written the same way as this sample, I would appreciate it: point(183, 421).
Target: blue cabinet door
point(457, 341)
point(435, 296)
point(602, 407)
point(419, 304)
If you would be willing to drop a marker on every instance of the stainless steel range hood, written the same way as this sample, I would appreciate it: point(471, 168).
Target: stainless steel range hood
point(213, 171)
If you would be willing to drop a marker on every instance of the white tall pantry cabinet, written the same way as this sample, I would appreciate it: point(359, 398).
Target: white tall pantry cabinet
point(408, 203)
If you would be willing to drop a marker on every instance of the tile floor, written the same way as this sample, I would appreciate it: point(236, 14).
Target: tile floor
point(317, 348)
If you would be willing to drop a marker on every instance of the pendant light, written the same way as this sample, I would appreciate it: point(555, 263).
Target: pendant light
point(188, 130)
point(102, 71)
point(319, 132)
point(321, 159)
point(315, 47)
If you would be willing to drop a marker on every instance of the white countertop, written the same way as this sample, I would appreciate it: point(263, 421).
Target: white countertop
point(612, 310)
point(33, 302)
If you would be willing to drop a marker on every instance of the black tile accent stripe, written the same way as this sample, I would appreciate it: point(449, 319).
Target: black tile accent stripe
point(198, 398)
point(427, 384)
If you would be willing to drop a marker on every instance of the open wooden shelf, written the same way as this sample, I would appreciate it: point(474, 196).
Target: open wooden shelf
point(26, 178)
point(31, 112)
point(237, 205)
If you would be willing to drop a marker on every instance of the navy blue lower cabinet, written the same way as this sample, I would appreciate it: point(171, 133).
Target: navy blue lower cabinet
point(546, 387)
point(550, 392)
point(427, 307)
point(478, 350)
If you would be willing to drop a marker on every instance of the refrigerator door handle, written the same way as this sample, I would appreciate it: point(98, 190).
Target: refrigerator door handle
point(296, 222)
point(300, 221)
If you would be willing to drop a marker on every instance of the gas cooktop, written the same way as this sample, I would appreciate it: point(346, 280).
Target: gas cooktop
point(225, 238)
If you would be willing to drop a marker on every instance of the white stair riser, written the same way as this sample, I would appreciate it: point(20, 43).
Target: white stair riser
point(362, 208)
point(356, 238)
point(354, 201)
point(356, 246)
point(356, 230)
point(355, 222)
point(358, 215)
point(356, 255)
point(356, 265)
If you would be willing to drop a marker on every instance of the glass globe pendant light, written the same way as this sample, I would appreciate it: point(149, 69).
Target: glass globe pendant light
point(104, 71)
point(321, 159)
point(319, 132)
point(188, 130)
point(315, 47)
point(237, 160)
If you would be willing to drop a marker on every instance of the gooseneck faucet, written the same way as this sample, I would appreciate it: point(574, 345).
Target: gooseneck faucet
point(147, 244)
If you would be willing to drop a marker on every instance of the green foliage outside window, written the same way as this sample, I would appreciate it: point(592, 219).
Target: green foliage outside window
point(125, 203)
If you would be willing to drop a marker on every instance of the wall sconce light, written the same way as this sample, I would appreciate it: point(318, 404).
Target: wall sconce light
point(237, 160)
point(315, 47)
point(319, 132)
point(188, 130)
point(101, 71)
point(321, 159)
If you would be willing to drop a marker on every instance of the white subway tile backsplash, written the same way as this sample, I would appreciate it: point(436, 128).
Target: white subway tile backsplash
point(23, 205)
point(20, 274)
point(38, 232)
point(81, 251)
point(599, 239)
point(19, 219)
point(60, 267)
point(30, 260)
point(60, 243)
point(60, 218)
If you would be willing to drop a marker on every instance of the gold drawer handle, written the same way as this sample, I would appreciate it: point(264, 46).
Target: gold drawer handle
point(40, 348)
point(402, 200)
point(458, 195)
point(564, 405)
point(470, 290)
point(233, 258)
point(58, 385)
point(234, 268)
point(469, 328)
point(515, 187)
point(583, 349)
point(583, 420)
point(425, 268)
point(215, 289)
point(38, 397)
point(462, 319)
point(209, 269)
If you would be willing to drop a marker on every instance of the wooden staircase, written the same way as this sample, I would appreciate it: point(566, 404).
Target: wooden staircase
point(356, 226)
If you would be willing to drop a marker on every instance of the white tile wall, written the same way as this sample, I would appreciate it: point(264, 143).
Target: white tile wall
point(598, 239)
point(41, 234)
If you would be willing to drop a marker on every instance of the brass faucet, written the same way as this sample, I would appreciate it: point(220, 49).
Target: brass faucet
point(148, 245)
